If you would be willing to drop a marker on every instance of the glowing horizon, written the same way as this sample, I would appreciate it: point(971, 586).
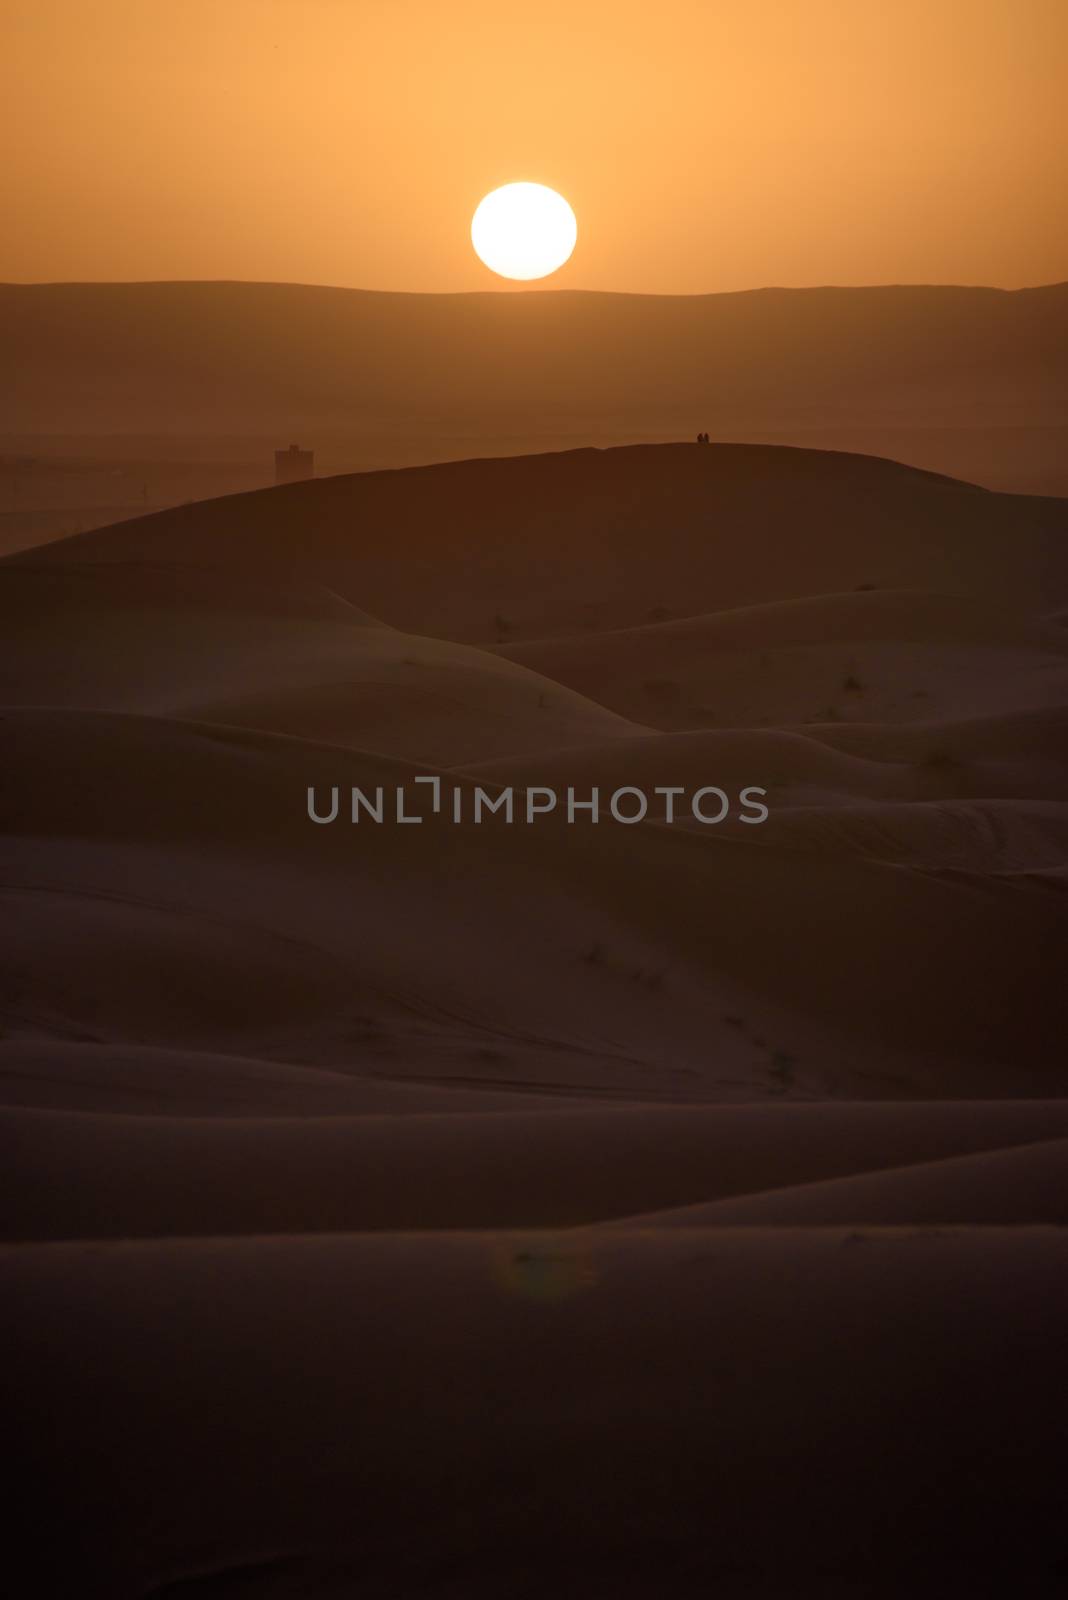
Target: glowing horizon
point(704, 148)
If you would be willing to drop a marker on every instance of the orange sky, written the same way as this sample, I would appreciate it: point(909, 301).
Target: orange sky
point(704, 145)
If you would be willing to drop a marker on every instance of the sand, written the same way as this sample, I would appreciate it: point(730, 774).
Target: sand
point(486, 1413)
point(476, 1209)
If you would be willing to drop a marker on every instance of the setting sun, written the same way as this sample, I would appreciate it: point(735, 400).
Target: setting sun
point(524, 230)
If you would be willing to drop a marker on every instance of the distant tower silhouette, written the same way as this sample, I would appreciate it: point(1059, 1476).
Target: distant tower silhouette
point(293, 465)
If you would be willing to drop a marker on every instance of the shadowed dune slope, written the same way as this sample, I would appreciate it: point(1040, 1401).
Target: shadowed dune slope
point(1036, 737)
point(1007, 758)
point(142, 1080)
point(84, 1176)
point(1025, 1185)
point(978, 839)
point(179, 642)
point(899, 656)
point(295, 1407)
point(65, 595)
point(687, 760)
point(598, 539)
point(178, 892)
point(984, 798)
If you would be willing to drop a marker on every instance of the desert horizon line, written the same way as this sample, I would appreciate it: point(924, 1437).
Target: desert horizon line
point(881, 286)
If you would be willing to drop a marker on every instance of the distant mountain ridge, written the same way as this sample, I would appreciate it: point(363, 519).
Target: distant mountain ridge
point(164, 354)
point(531, 370)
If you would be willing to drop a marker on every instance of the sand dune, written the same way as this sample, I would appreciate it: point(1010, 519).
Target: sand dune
point(171, 643)
point(789, 764)
point(282, 1413)
point(547, 957)
point(1026, 1185)
point(911, 616)
point(901, 656)
point(66, 1075)
point(990, 807)
point(809, 766)
point(187, 850)
point(595, 539)
point(80, 1175)
point(644, 1187)
point(1035, 738)
point(68, 596)
point(978, 838)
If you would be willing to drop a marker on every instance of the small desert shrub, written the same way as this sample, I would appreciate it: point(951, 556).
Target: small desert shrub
point(852, 685)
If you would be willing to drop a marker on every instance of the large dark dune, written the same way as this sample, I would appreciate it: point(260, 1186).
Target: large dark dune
point(590, 539)
point(470, 1210)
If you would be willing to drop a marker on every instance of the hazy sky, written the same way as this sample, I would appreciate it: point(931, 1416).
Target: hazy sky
point(704, 145)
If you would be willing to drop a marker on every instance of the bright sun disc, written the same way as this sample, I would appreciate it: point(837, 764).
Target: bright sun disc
point(524, 230)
